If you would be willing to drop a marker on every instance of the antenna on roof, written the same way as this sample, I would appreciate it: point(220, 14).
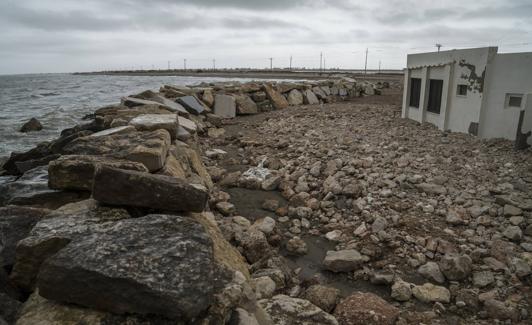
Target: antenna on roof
point(438, 46)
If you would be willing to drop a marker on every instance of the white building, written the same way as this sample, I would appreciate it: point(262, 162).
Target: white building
point(476, 91)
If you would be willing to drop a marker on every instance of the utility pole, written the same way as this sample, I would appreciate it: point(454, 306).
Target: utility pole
point(271, 64)
point(214, 64)
point(438, 46)
point(366, 64)
point(290, 63)
point(379, 66)
point(168, 65)
point(321, 61)
point(185, 64)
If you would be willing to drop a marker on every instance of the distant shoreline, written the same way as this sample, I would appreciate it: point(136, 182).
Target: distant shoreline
point(257, 74)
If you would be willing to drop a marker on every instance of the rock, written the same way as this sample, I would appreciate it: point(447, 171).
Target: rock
point(364, 308)
point(284, 310)
point(254, 243)
point(401, 291)
point(431, 293)
point(191, 104)
point(266, 225)
point(271, 183)
point(295, 98)
point(499, 310)
point(382, 278)
point(225, 106)
point(379, 224)
point(245, 105)
point(483, 278)
point(319, 93)
point(207, 97)
point(39, 152)
point(76, 172)
point(32, 125)
point(9, 308)
point(344, 260)
point(456, 267)
point(514, 233)
point(434, 189)
point(131, 188)
point(278, 101)
point(225, 208)
point(510, 210)
point(431, 271)
point(188, 125)
point(334, 235)
point(174, 168)
point(148, 148)
point(49, 235)
point(243, 317)
point(165, 102)
point(152, 122)
point(322, 296)
point(32, 189)
point(264, 287)
point(309, 98)
point(270, 205)
point(157, 264)
point(15, 225)
point(115, 130)
point(296, 246)
point(457, 216)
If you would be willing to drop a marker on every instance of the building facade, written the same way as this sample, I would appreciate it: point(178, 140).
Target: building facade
point(476, 91)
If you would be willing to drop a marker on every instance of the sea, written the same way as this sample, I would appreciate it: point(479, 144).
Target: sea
point(60, 101)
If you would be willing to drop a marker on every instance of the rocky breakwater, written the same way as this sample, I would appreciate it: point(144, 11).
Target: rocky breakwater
point(111, 223)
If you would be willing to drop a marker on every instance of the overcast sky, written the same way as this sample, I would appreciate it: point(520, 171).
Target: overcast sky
point(67, 36)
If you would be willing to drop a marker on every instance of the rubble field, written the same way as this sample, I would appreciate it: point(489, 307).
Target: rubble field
point(437, 224)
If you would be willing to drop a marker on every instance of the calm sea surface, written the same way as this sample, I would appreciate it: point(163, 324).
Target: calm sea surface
point(60, 101)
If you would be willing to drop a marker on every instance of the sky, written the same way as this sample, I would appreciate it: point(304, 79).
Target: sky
point(39, 36)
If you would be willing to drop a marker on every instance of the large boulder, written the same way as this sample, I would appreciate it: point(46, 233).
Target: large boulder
point(167, 103)
point(76, 172)
point(191, 104)
point(152, 122)
point(245, 105)
point(344, 260)
point(15, 224)
point(49, 235)
point(310, 98)
point(456, 267)
point(32, 125)
point(32, 189)
point(148, 148)
point(155, 265)
point(295, 98)
point(285, 310)
point(278, 100)
point(364, 308)
point(131, 188)
point(225, 106)
point(322, 296)
point(431, 293)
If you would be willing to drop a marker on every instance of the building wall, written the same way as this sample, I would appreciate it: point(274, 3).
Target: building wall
point(509, 73)
point(453, 67)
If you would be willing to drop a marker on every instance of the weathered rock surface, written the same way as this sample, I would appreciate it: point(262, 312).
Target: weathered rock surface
point(15, 224)
point(344, 261)
point(76, 172)
point(225, 106)
point(309, 98)
point(191, 104)
point(148, 148)
point(9, 308)
point(431, 293)
point(152, 122)
point(322, 296)
point(284, 310)
point(32, 189)
point(278, 101)
point(32, 125)
point(142, 278)
point(245, 105)
point(295, 98)
point(125, 187)
point(364, 308)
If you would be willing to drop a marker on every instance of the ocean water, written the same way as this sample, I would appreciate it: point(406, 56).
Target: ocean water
point(60, 101)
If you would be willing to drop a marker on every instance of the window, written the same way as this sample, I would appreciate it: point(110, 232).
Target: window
point(513, 100)
point(435, 92)
point(461, 90)
point(415, 92)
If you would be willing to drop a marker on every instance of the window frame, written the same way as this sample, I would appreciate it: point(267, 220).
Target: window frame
point(509, 97)
point(411, 100)
point(462, 86)
point(439, 94)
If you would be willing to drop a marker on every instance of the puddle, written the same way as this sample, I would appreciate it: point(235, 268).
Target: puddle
point(248, 202)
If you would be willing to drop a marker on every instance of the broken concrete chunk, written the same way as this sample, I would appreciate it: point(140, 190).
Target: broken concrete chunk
point(191, 104)
point(225, 106)
point(152, 122)
point(278, 100)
